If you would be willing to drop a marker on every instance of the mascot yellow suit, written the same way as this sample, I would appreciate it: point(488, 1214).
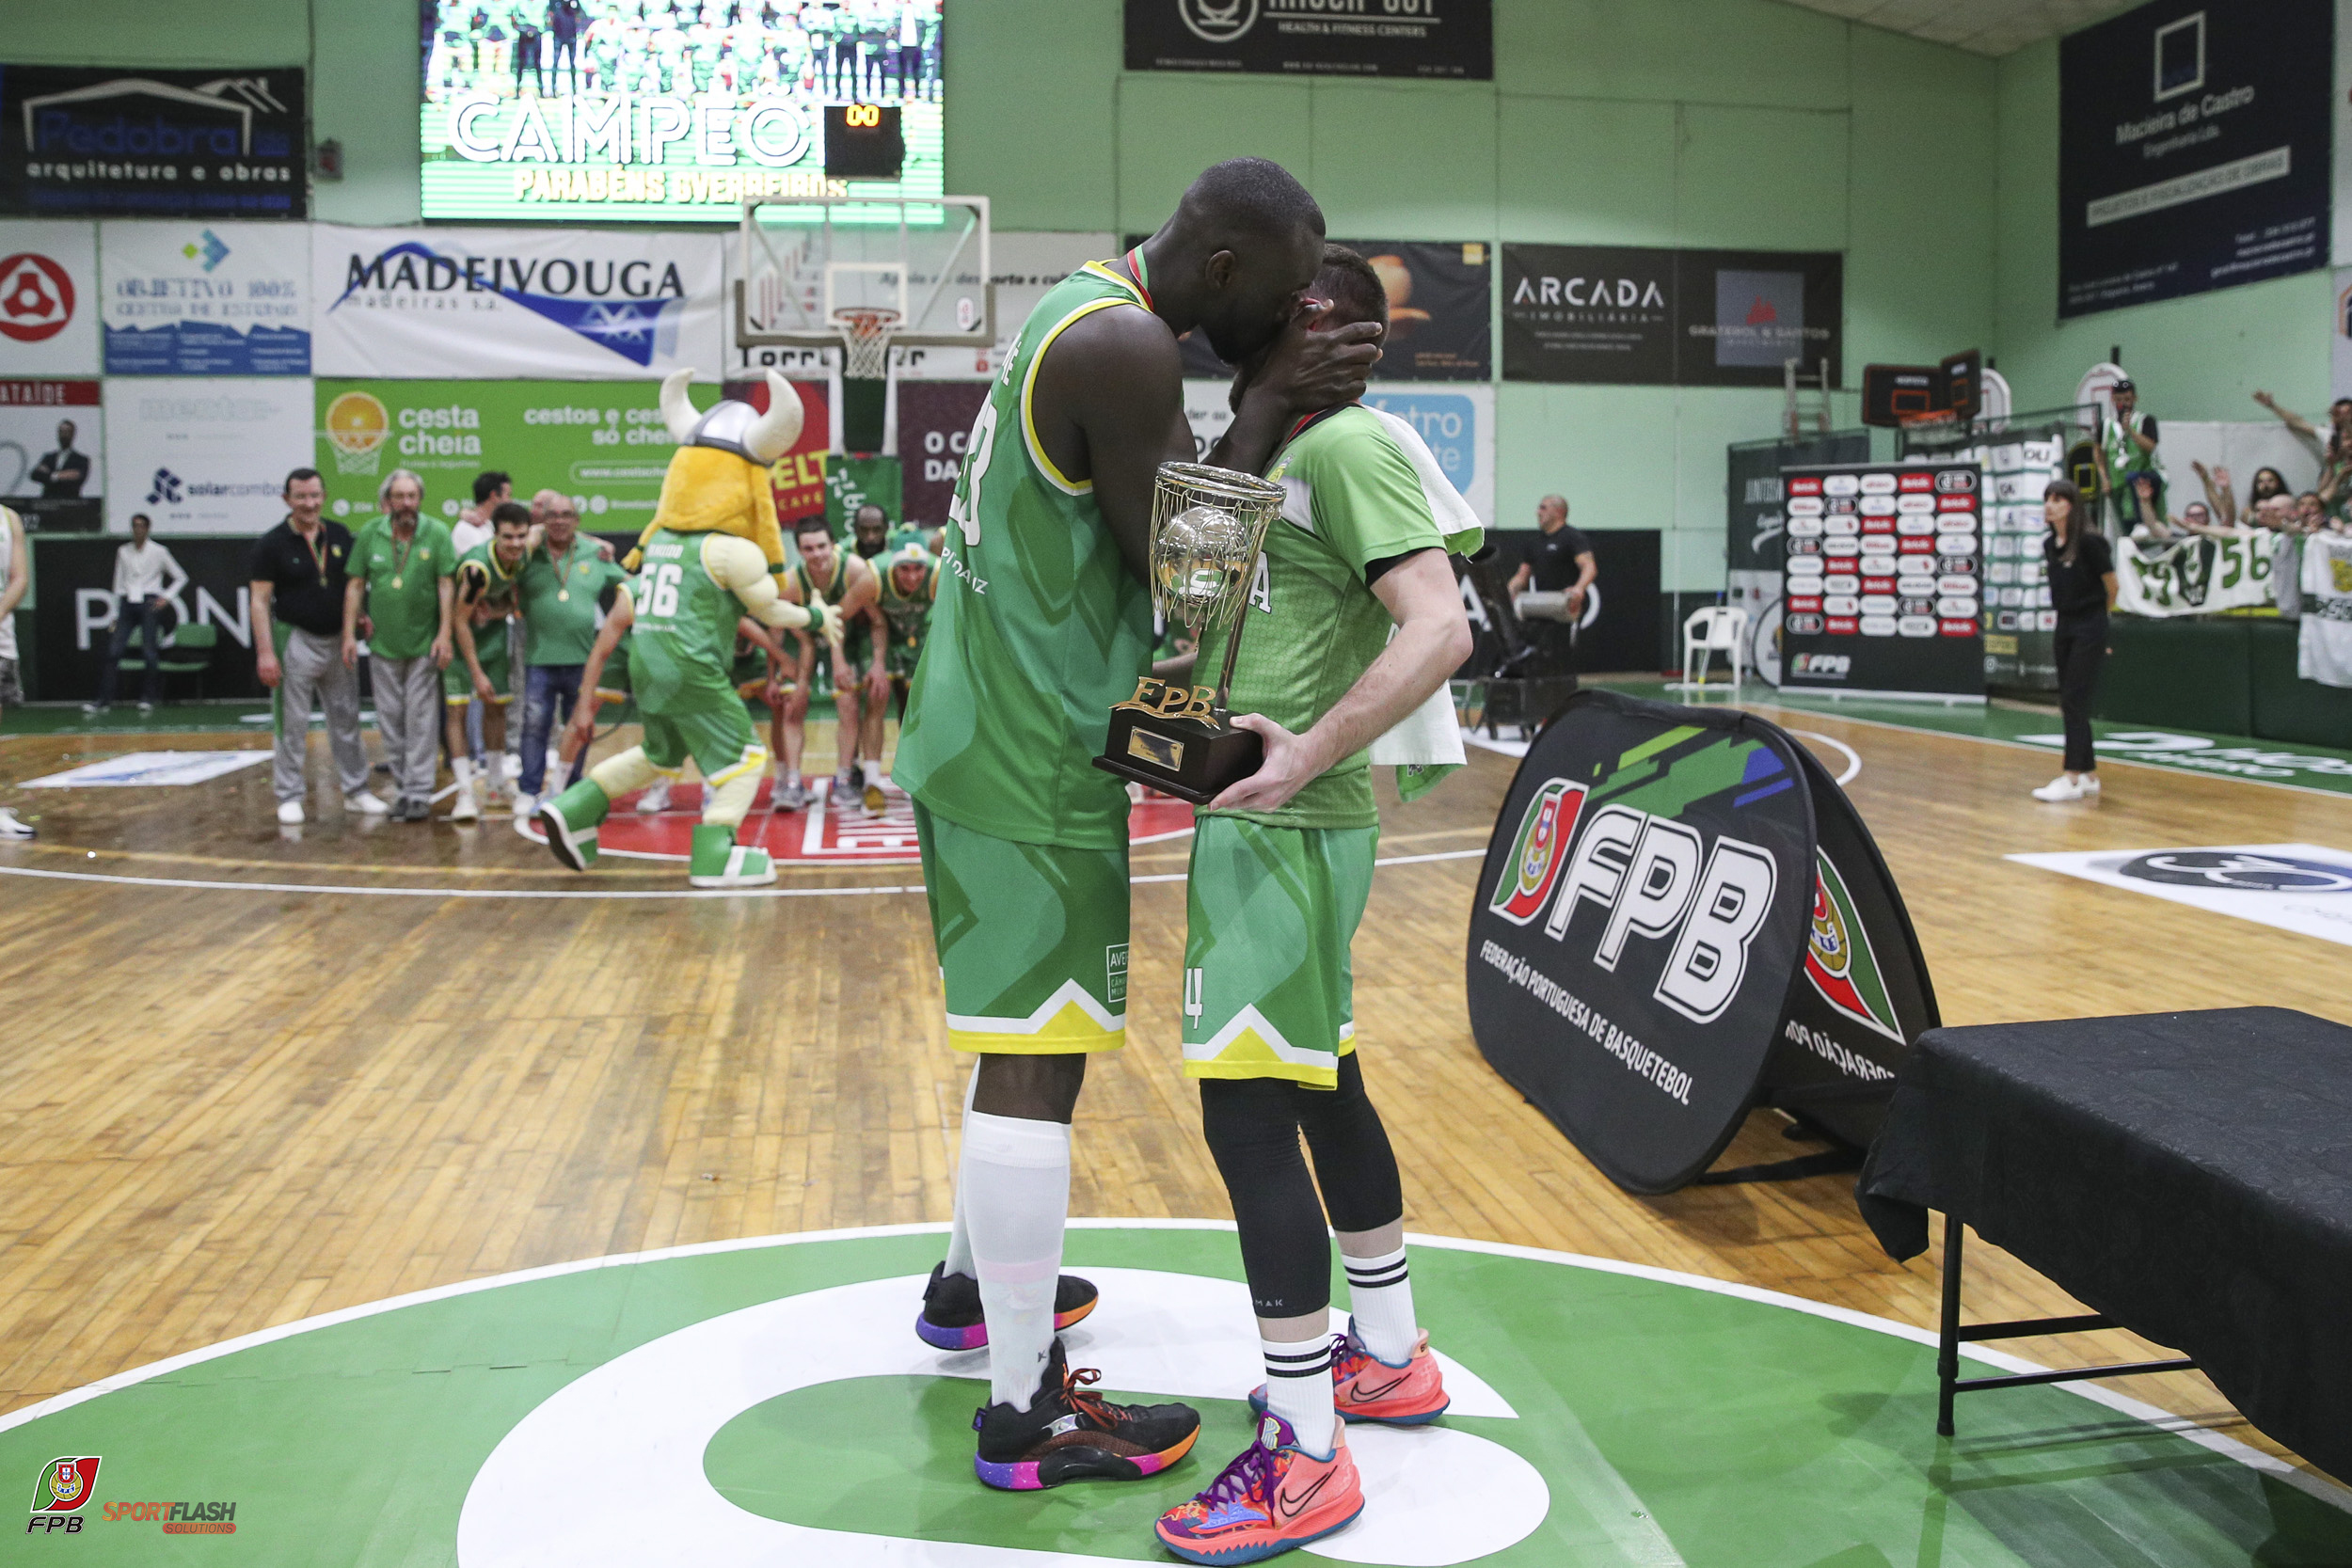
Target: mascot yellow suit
point(711, 555)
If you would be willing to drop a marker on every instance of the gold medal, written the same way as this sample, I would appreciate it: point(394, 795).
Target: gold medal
point(396, 582)
point(562, 593)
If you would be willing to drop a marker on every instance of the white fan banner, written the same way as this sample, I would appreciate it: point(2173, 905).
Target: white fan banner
point(2195, 575)
point(547, 304)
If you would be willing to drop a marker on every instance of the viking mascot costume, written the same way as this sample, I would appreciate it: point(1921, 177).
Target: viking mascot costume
point(711, 554)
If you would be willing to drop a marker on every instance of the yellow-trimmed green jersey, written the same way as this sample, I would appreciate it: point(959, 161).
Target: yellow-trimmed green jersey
point(908, 618)
point(680, 610)
point(1312, 626)
point(1039, 627)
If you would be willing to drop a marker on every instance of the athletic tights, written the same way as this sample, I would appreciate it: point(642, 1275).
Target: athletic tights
point(1252, 1126)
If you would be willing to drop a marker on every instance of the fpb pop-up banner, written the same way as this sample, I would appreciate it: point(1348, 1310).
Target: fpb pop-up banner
point(1680, 918)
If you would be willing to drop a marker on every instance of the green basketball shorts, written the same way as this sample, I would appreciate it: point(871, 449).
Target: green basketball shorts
point(1269, 992)
point(490, 648)
point(1032, 940)
point(704, 721)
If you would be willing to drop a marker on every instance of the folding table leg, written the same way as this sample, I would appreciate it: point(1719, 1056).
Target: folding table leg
point(1947, 1331)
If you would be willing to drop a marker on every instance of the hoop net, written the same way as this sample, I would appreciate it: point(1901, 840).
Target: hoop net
point(866, 332)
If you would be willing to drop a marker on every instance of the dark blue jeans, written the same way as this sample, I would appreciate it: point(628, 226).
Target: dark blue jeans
point(145, 616)
point(547, 688)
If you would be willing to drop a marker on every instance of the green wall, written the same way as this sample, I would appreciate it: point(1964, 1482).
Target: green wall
point(1702, 122)
point(2194, 358)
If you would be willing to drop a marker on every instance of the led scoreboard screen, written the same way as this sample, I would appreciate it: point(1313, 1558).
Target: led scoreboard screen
point(663, 111)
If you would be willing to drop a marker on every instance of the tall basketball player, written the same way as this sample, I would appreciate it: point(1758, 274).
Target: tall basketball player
point(1044, 622)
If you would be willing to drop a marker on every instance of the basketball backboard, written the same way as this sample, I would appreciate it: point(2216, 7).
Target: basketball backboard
point(810, 268)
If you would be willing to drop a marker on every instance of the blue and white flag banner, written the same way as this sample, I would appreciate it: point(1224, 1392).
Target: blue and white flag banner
point(549, 304)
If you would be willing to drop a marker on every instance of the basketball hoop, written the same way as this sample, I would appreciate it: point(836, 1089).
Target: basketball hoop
point(866, 332)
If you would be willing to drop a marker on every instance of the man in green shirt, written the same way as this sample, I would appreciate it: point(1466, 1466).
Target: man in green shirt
point(399, 567)
point(563, 579)
point(487, 579)
point(1351, 628)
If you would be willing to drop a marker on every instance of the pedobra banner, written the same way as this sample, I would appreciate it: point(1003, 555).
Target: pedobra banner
point(1679, 918)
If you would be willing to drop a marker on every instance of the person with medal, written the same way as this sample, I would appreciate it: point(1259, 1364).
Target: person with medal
point(563, 578)
point(399, 573)
point(296, 583)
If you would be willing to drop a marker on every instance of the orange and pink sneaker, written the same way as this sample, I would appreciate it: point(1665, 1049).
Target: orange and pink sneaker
point(1273, 1497)
point(1366, 1388)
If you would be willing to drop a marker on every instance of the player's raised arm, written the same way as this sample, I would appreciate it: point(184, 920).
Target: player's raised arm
point(1110, 408)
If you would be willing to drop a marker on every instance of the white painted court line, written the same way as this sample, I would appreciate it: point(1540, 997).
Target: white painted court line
point(1854, 758)
point(195, 885)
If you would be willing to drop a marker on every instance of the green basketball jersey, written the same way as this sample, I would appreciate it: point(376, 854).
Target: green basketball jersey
point(1311, 625)
point(499, 581)
point(857, 635)
point(1039, 628)
point(681, 612)
point(909, 617)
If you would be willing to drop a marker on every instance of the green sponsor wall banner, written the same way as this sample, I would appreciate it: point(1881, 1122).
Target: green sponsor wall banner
point(600, 441)
point(853, 481)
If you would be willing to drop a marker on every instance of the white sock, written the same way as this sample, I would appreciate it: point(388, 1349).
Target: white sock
point(1298, 1388)
point(1016, 1180)
point(463, 768)
point(960, 1234)
point(1380, 1294)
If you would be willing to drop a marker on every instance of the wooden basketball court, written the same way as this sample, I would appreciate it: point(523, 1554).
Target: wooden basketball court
point(274, 1074)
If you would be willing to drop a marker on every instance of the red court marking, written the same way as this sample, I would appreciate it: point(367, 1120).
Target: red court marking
point(828, 832)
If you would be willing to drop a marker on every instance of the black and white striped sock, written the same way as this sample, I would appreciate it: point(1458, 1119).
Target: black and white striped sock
point(1298, 1388)
point(1380, 1294)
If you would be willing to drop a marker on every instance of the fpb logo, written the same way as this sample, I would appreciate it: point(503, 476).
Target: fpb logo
point(1537, 856)
point(1839, 960)
point(63, 1486)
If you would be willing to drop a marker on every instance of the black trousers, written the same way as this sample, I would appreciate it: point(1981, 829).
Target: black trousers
point(2081, 647)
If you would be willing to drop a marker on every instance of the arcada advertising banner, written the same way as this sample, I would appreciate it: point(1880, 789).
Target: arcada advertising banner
point(77, 607)
point(2193, 150)
point(204, 456)
point(1342, 38)
point(568, 304)
point(191, 298)
point(1629, 315)
point(150, 141)
point(49, 298)
point(1678, 919)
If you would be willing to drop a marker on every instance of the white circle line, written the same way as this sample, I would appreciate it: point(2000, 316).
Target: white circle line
point(1854, 758)
point(202, 886)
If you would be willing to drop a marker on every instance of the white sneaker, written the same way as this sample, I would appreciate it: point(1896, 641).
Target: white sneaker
point(524, 809)
point(467, 809)
point(290, 812)
point(2060, 789)
point(11, 826)
point(2091, 783)
point(362, 804)
point(655, 799)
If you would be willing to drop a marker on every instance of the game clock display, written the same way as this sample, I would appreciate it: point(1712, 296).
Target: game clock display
point(1884, 588)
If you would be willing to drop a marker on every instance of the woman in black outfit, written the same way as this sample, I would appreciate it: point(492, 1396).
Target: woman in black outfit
point(2081, 569)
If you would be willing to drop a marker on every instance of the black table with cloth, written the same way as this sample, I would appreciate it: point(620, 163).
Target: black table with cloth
point(2187, 1174)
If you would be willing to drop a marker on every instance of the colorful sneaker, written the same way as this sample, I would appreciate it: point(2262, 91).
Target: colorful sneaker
point(951, 1320)
point(570, 821)
point(1276, 1495)
point(1366, 1388)
point(1068, 1434)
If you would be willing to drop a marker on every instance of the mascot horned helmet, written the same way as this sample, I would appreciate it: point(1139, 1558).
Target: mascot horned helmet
point(733, 426)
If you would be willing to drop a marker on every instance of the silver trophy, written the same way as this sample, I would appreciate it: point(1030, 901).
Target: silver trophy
point(1208, 526)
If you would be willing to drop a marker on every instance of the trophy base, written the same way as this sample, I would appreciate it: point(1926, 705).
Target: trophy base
point(1182, 757)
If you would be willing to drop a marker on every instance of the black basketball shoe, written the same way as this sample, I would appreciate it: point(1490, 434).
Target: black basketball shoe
point(1068, 1433)
point(950, 1319)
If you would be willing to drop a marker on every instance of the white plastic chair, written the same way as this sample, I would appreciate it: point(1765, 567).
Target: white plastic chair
point(1710, 628)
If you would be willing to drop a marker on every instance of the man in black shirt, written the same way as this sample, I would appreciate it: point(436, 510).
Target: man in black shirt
point(1561, 562)
point(297, 576)
point(62, 473)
